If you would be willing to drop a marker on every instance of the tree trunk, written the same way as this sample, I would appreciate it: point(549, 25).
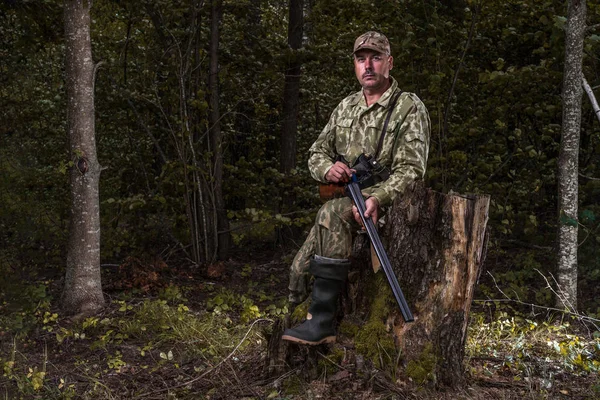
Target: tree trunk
point(82, 293)
point(568, 160)
point(198, 202)
point(223, 238)
point(291, 89)
point(291, 100)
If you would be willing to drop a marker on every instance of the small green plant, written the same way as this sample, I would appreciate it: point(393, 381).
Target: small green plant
point(67, 391)
point(8, 366)
point(36, 378)
point(275, 310)
point(576, 353)
point(172, 294)
point(123, 306)
point(250, 310)
point(246, 271)
point(28, 379)
point(222, 302)
point(115, 362)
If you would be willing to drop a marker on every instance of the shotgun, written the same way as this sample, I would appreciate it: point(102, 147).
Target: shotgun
point(353, 191)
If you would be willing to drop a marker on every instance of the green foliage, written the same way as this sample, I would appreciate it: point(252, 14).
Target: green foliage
point(226, 302)
point(30, 380)
point(33, 143)
point(172, 294)
point(520, 344)
point(259, 225)
point(161, 336)
point(23, 305)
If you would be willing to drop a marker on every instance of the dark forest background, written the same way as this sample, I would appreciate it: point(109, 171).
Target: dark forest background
point(490, 74)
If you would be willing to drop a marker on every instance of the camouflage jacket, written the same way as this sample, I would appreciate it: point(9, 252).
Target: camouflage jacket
point(354, 128)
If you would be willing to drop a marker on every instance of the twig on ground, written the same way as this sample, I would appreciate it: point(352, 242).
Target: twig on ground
point(331, 361)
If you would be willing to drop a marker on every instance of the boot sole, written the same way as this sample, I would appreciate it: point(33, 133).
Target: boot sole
point(328, 339)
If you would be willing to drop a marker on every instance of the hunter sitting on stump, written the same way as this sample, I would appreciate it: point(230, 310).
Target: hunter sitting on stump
point(384, 124)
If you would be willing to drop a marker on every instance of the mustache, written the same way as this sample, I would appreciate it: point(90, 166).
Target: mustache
point(368, 73)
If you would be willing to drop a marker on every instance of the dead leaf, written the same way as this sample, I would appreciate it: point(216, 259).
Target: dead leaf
point(216, 270)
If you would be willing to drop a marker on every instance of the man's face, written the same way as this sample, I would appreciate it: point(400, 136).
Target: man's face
point(372, 69)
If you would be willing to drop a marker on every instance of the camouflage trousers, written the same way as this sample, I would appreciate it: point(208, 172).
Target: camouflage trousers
point(330, 236)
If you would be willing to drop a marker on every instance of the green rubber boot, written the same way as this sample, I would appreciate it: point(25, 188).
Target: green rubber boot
point(330, 275)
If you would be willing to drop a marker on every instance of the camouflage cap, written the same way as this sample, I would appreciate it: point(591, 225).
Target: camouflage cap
point(374, 41)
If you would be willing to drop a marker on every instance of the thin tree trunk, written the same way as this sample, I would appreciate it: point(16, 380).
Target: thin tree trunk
point(448, 106)
point(197, 200)
point(82, 293)
point(291, 100)
point(291, 89)
point(568, 160)
point(222, 235)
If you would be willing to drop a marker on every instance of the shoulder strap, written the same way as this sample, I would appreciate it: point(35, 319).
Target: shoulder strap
point(387, 120)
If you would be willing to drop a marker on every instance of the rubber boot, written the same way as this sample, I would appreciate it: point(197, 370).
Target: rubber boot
point(330, 275)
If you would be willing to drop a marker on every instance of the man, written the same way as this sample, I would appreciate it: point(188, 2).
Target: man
point(355, 128)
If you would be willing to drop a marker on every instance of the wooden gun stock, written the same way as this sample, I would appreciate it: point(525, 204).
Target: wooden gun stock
point(328, 191)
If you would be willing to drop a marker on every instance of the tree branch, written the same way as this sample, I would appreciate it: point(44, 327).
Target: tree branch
point(592, 28)
point(95, 73)
point(460, 63)
point(589, 177)
point(590, 93)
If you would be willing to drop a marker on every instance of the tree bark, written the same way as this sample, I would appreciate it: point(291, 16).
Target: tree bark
point(568, 160)
point(82, 292)
point(223, 238)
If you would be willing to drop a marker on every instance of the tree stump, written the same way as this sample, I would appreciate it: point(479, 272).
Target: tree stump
point(436, 244)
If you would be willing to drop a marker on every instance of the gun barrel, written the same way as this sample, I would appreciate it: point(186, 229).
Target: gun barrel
point(356, 195)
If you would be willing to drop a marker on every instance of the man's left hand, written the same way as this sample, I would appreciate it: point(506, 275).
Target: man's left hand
point(372, 211)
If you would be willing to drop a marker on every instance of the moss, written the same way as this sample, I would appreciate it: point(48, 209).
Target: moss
point(422, 370)
point(347, 329)
point(293, 386)
point(299, 313)
point(329, 364)
point(372, 340)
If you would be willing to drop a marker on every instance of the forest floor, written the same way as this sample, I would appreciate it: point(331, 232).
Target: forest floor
point(169, 333)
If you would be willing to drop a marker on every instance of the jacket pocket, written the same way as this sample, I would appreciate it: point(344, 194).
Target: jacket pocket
point(343, 135)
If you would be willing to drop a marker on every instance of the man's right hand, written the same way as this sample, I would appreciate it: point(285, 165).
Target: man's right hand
point(339, 173)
